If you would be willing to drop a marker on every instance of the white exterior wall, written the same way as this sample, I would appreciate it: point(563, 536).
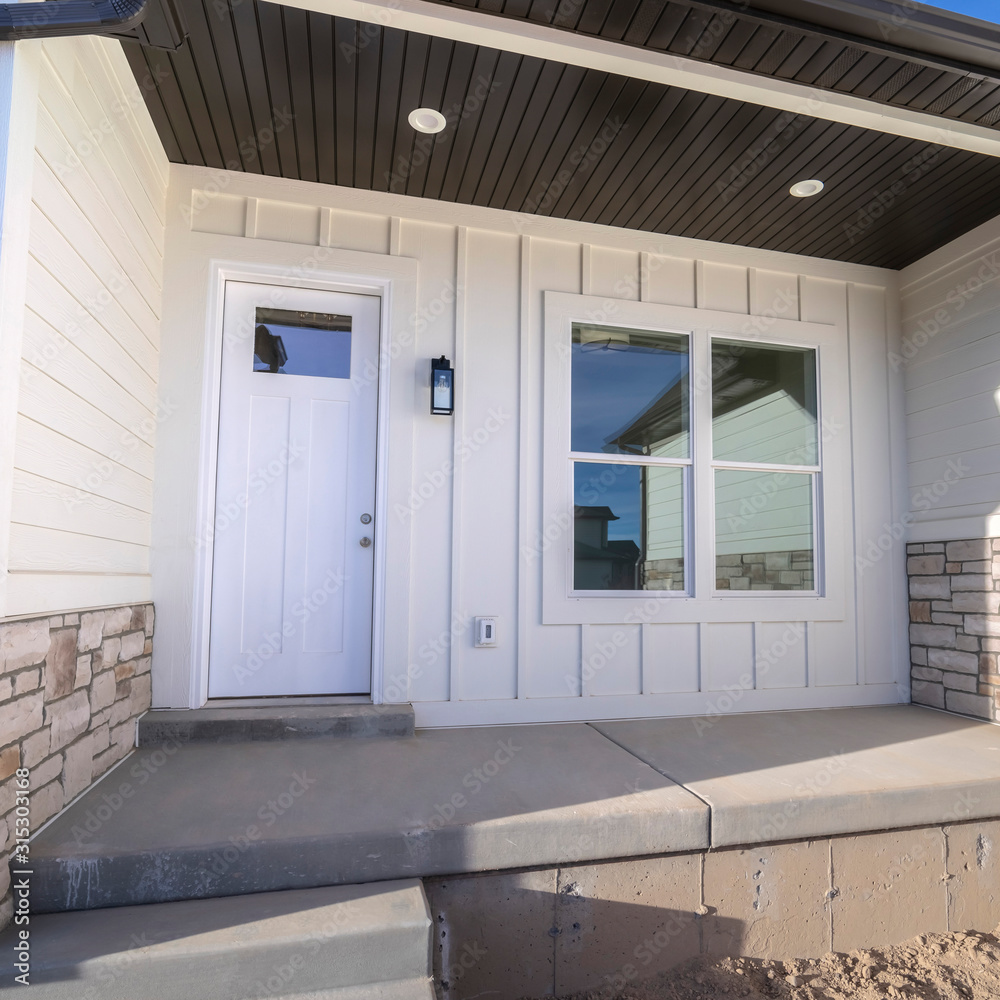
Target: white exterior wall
point(470, 536)
point(87, 411)
point(951, 358)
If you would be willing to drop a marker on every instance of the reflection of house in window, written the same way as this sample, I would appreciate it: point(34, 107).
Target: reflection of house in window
point(762, 398)
point(659, 431)
point(269, 354)
point(602, 564)
point(291, 342)
point(764, 411)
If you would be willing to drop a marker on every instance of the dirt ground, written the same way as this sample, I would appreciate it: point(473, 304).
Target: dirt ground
point(957, 966)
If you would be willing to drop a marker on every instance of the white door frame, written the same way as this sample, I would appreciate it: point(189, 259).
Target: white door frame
point(342, 271)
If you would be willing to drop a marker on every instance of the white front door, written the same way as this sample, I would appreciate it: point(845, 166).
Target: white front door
point(295, 493)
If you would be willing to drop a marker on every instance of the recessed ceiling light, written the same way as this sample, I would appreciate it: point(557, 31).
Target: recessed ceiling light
point(805, 189)
point(427, 120)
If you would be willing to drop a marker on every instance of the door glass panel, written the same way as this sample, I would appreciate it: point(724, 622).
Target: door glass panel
point(630, 392)
point(763, 530)
point(287, 342)
point(628, 527)
point(763, 403)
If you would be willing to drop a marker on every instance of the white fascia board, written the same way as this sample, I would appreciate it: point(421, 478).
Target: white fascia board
point(530, 38)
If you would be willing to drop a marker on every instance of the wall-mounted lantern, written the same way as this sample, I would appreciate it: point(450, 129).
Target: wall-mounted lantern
point(442, 386)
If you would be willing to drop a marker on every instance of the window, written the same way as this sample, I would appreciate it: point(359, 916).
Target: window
point(685, 473)
point(302, 343)
point(765, 452)
point(629, 398)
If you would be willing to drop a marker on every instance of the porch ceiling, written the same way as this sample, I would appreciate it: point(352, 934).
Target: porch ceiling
point(286, 92)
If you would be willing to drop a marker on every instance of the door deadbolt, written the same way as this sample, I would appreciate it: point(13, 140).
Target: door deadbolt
point(366, 519)
point(365, 542)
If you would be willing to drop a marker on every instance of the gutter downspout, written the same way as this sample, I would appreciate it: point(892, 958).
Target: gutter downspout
point(53, 18)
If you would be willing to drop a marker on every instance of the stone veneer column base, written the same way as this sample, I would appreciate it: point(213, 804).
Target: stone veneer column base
point(955, 625)
point(71, 689)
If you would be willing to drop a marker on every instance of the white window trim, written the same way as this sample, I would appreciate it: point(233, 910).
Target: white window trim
point(833, 509)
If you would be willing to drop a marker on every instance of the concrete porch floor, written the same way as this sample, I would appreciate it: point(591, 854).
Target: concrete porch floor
point(200, 820)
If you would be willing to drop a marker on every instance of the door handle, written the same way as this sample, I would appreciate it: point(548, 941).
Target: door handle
point(365, 542)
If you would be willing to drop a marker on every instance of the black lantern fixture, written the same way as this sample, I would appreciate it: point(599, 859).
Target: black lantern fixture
point(442, 386)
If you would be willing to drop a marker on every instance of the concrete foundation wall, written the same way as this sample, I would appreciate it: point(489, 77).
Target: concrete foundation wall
point(71, 688)
point(955, 625)
point(559, 930)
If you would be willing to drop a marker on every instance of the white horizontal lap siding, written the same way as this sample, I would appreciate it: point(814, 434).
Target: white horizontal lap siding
point(760, 511)
point(88, 408)
point(948, 354)
point(46, 503)
point(478, 534)
point(737, 434)
point(664, 512)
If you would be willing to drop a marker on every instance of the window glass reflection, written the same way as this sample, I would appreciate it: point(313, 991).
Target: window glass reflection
point(628, 527)
point(629, 392)
point(763, 530)
point(763, 403)
point(287, 342)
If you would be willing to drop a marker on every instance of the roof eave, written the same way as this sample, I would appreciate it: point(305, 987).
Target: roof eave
point(906, 25)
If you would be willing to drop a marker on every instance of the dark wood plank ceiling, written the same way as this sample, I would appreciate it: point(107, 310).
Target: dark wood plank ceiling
point(734, 34)
point(276, 90)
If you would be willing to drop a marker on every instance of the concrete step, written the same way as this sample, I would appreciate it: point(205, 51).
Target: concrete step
point(237, 725)
point(201, 820)
point(358, 942)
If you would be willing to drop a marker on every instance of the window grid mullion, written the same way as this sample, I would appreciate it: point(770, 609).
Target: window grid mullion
point(767, 467)
point(602, 459)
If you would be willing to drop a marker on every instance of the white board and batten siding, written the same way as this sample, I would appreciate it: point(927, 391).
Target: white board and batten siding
point(950, 355)
point(475, 534)
point(88, 409)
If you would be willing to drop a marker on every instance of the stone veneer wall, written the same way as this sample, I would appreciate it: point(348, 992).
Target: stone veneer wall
point(663, 574)
point(765, 571)
point(757, 571)
point(71, 689)
point(955, 625)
